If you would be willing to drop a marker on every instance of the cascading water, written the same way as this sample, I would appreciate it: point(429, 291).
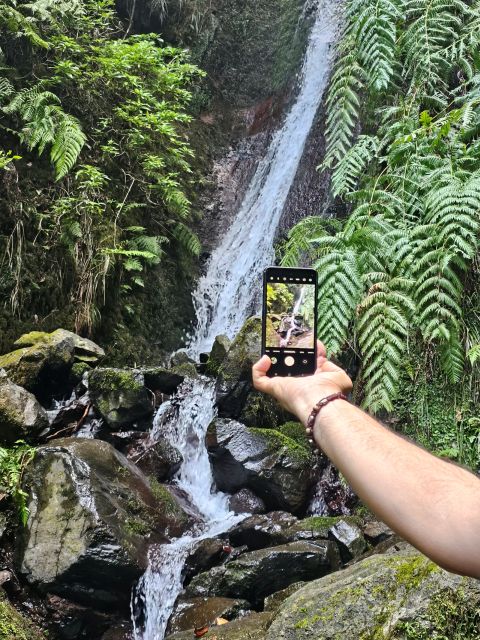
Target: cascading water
point(223, 300)
point(224, 295)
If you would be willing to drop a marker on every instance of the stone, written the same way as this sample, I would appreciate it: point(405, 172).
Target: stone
point(252, 627)
point(158, 459)
point(399, 595)
point(162, 379)
point(322, 528)
point(376, 532)
point(257, 574)
point(273, 602)
point(3, 524)
point(245, 501)
point(190, 613)
point(261, 531)
point(120, 396)
point(180, 358)
point(206, 554)
point(92, 514)
point(13, 625)
point(121, 631)
point(70, 620)
point(349, 538)
point(273, 466)
point(234, 391)
point(217, 355)
point(21, 415)
point(43, 361)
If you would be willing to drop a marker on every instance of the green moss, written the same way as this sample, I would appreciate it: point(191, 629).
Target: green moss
point(13, 625)
point(136, 527)
point(450, 616)
point(29, 339)
point(166, 500)
point(11, 359)
point(411, 573)
point(277, 441)
point(111, 380)
point(293, 430)
point(320, 523)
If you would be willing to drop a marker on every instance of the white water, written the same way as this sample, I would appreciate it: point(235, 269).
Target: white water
point(223, 300)
point(224, 295)
point(183, 421)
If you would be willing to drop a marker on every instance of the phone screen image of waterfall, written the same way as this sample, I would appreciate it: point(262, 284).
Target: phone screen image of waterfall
point(290, 316)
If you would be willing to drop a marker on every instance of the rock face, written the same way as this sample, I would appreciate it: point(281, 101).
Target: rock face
point(253, 627)
point(158, 459)
point(257, 574)
point(273, 466)
point(44, 360)
point(218, 354)
point(261, 531)
point(21, 415)
point(161, 379)
point(245, 501)
point(234, 381)
point(380, 597)
point(91, 514)
point(120, 396)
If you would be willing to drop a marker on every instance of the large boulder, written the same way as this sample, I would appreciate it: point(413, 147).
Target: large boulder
point(260, 531)
point(218, 354)
point(257, 574)
point(21, 415)
point(402, 596)
point(120, 396)
point(275, 467)
point(252, 627)
point(92, 514)
point(43, 361)
point(158, 459)
point(234, 390)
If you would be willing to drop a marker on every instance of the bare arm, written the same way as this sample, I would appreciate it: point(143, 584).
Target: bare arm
point(431, 503)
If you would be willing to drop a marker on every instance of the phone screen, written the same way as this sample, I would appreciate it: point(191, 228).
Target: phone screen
point(289, 320)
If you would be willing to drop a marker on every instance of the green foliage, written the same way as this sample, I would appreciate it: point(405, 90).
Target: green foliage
point(13, 463)
point(402, 139)
point(112, 111)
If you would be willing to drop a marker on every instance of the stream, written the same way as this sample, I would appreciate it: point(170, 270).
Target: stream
point(225, 296)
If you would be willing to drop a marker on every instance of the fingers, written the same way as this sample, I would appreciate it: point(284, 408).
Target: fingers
point(321, 350)
point(261, 381)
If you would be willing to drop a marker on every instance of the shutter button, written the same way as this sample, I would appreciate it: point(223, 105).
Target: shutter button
point(289, 361)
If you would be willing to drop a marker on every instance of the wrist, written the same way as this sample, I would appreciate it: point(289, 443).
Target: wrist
point(305, 401)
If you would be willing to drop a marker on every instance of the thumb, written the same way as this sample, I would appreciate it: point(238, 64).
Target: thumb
point(259, 373)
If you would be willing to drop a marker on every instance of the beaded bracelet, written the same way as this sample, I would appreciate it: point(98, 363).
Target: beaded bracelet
point(316, 410)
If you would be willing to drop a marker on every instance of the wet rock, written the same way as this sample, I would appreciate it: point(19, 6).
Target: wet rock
point(158, 459)
point(378, 597)
point(322, 528)
point(71, 620)
point(122, 631)
point(258, 574)
point(234, 391)
point(273, 466)
point(191, 613)
point(261, 531)
point(349, 538)
point(332, 496)
point(273, 602)
point(44, 360)
point(217, 355)
point(376, 532)
point(245, 501)
point(14, 625)
point(161, 379)
point(206, 554)
point(3, 523)
point(252, 627)
point(69, 415)
point(180, 358)
point(21, 415)
point(120, 396)
point(92, 514)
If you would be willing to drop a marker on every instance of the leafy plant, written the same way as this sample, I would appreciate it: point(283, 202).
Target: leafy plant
point(13, 463)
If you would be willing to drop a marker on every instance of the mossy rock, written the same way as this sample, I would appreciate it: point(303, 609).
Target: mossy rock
point(14, 626)
point(21, 415)
point(252, 627)
point(383, 596)
point(217, 355)
point(43, 362)
point(119, 395)
point(92, 516)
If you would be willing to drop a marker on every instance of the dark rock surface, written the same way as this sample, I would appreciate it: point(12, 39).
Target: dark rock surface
point(14, 626)
point(273, 466)
point(258, 574)
point(158, 459)
point(162, 379)
point(349, 538)
point(191, 613)
point(120, 396)
point(245, 501)
point(92, 513)
point(206, 554)
point(252, 627)
point(21, 415)
point(261, 531)
point(218, 354)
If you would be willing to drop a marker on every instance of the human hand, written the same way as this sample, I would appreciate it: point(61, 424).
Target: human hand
point(299, 395)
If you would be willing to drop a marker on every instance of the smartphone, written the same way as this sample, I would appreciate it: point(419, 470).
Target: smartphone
point(289, 320)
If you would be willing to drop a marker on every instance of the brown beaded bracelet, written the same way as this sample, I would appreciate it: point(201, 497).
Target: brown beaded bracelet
point(316, 410)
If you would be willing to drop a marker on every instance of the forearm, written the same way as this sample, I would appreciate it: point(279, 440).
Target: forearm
point(431, 503)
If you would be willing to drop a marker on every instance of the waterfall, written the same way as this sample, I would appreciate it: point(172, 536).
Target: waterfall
point(224, 295)
point(223, 300)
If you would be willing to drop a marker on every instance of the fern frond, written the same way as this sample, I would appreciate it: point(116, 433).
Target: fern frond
point(349, 169)
point(187, 238)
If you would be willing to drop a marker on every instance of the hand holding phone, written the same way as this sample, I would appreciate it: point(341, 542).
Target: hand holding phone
point(289, 335)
